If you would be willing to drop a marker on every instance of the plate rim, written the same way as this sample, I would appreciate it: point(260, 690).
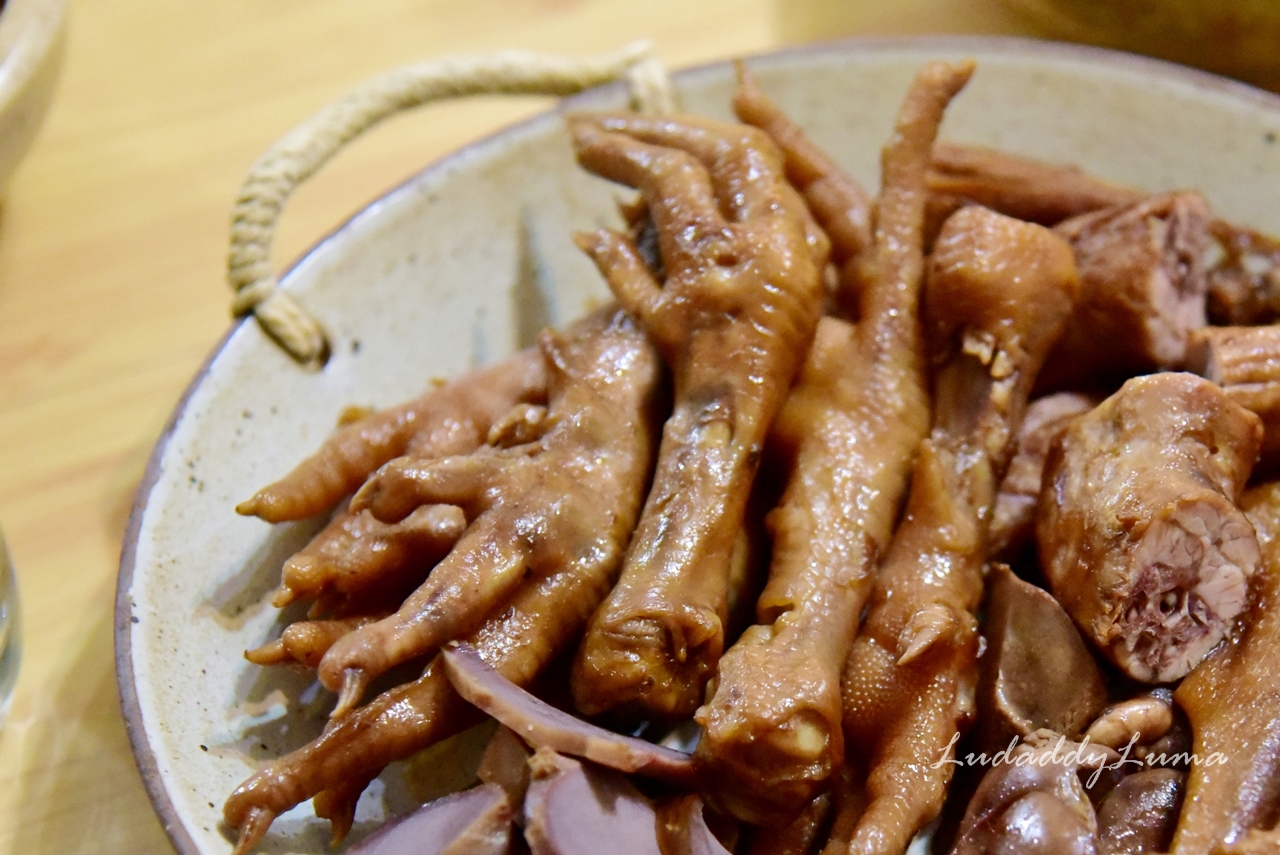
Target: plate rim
point(144, 756)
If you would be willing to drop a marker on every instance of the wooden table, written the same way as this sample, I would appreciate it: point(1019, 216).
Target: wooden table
point(112, 245)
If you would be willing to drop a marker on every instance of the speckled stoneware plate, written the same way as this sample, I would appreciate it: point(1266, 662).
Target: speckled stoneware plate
point(463, 264)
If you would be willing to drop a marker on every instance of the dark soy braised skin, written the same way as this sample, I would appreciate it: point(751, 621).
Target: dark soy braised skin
point(837, 201)
point(357, 554)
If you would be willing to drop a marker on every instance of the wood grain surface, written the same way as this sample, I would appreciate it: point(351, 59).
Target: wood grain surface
point(112, 250)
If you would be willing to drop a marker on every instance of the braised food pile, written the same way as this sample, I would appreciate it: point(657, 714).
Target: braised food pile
point(997, 490)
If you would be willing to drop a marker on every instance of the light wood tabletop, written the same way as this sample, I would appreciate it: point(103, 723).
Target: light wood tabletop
point(112, 252)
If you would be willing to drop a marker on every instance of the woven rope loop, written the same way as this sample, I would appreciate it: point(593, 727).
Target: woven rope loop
point(301, 152)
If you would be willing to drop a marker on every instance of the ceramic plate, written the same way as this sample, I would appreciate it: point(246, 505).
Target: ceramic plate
point(463, 264)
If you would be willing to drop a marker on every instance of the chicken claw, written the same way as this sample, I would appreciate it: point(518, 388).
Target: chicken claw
point(772, 730)
point(305, 642)
point(451, 418)
point(733, 318)
point(569, 496)
point(838, 202)
point(999, 292)
point(537, 624)
point(357, 555)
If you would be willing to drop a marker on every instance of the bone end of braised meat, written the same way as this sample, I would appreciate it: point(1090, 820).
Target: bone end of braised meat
point(1190, 571)
point(1244, 361)
point(1139, 532)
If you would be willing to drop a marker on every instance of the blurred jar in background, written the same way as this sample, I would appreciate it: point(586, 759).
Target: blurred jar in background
point(1237, 38)
point(801, 21)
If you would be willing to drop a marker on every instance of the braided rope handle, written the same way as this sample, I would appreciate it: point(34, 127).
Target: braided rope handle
point(301, 152)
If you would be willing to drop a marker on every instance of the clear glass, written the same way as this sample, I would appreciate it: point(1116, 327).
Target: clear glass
point(10, 630)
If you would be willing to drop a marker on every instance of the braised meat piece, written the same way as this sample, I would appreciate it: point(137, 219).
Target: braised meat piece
point(772, 729)
point(505, 762)
point(476, 822)
point(561, 487)
point(452, 418)
point(683, 829)
point(998, 293)
point(544, 726)
point(1140, 814)
point(733, 318)
point(1037, 672)
point(1021, 187)
point(1245, 362)
point(1233, 702)
point(1034, 803)
point(1013, 524)
point(1139, 534)
point(1142, 273)
point(1244, 277)
point(575, 808)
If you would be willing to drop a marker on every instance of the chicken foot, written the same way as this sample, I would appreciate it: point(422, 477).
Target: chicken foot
point(542, 618)
point(772, 733)
point(837, 201)
point(1018, 186)
point(452, 418)
point(998, 292)
point(305, 642)
point(563, 498)
point(357, 555)
point(733, 319)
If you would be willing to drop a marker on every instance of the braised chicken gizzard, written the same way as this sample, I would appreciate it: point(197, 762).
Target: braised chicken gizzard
point(999, 493)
